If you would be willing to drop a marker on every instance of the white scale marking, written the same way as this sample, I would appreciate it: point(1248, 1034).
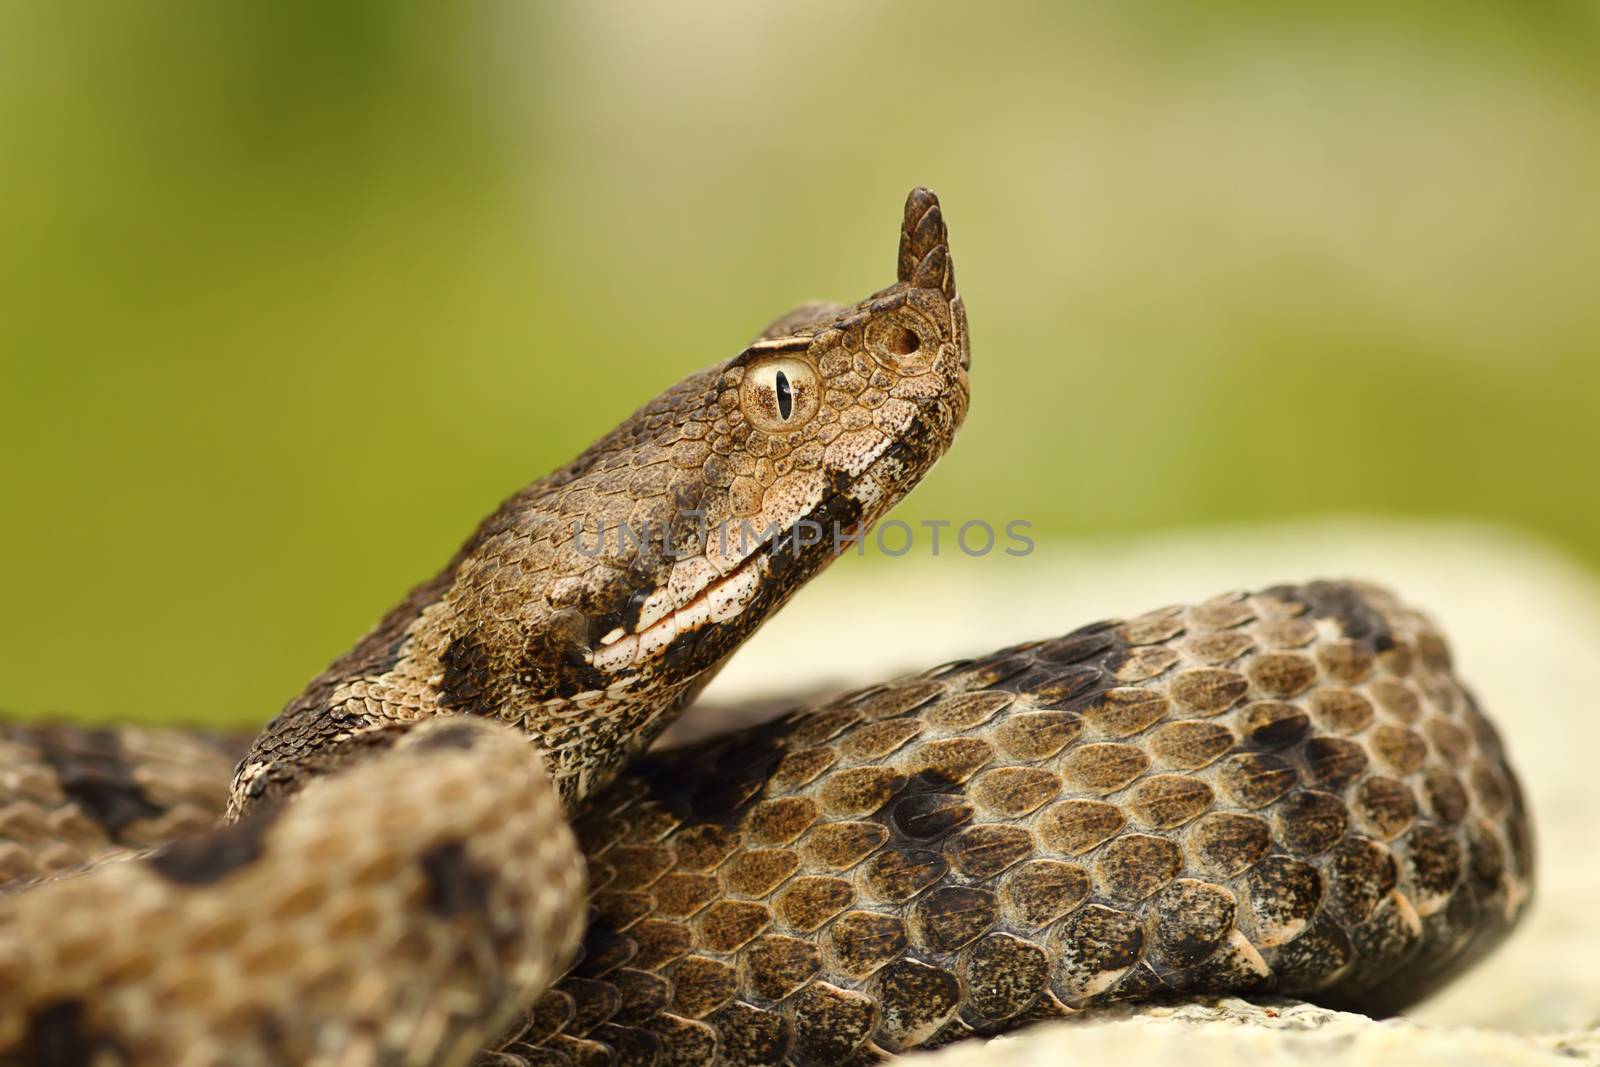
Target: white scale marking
point(694, 594)
point(722, 600)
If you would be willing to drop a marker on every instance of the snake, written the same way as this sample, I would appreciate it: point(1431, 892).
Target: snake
point(459, 845)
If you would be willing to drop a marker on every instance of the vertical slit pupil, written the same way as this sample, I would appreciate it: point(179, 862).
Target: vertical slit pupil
point(785, 396)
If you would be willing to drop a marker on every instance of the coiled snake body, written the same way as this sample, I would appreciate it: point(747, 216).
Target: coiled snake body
point(1287, 791)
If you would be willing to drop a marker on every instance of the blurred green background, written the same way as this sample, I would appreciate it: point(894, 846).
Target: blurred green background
point(292, 293)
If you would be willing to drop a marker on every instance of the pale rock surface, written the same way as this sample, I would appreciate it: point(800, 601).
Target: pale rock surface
point(1524, 623)
point(1230, 1033)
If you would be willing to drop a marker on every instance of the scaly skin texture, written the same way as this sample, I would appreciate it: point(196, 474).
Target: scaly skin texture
point(396, 876)
point(1288, 792)
point(358, 924)
point(1285, 792)
point(71, 795)
point(554, 616)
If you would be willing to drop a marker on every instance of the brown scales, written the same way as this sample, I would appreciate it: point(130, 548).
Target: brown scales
point(1287, 791)
point(1283, 792)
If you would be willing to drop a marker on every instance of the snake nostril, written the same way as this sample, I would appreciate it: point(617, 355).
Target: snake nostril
point(904, 341)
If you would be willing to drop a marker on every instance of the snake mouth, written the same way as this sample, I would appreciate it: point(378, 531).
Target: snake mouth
point(840, 516)
point(720, 601)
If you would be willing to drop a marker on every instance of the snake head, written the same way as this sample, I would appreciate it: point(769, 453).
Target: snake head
point(620, 583)
point(813, 431)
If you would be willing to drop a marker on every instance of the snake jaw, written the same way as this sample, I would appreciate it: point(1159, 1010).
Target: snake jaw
point(730, 589)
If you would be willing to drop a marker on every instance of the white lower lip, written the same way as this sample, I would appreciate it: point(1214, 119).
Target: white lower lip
point(718, 602)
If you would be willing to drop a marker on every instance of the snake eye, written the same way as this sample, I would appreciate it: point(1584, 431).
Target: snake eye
point(780, 394)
